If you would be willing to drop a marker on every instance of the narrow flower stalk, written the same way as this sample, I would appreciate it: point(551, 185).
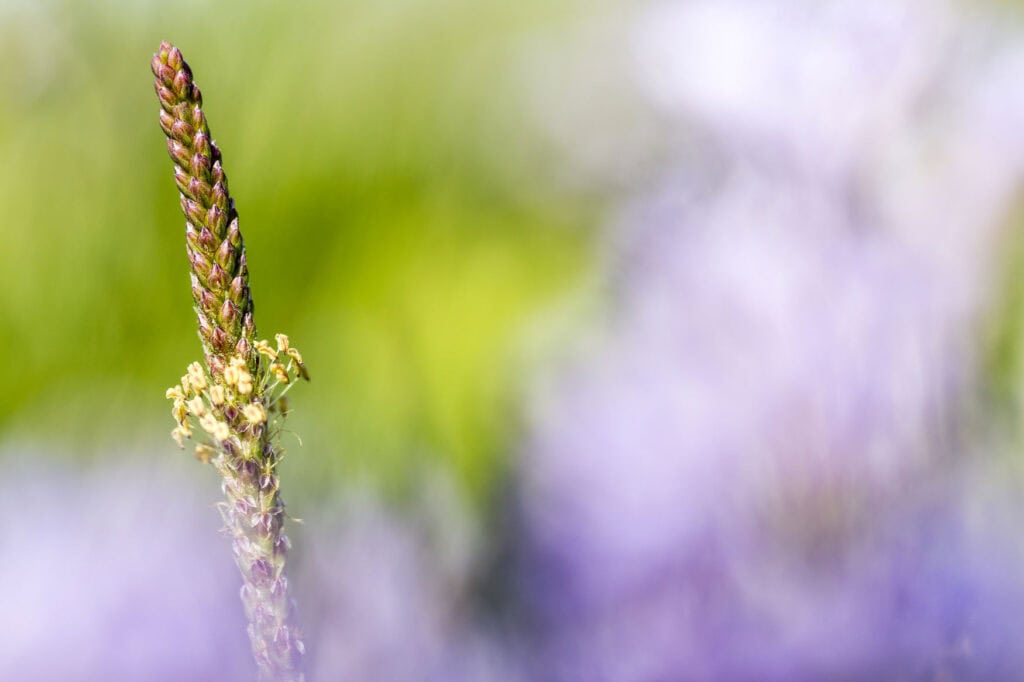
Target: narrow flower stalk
point(234, 406)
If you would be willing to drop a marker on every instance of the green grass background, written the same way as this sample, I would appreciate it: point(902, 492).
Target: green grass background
point(395, 207)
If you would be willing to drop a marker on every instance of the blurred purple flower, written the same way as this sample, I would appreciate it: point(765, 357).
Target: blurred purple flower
point(743, 478)
point(392, 597)
point(755, 470)
point(115, 574)
point(106, 585)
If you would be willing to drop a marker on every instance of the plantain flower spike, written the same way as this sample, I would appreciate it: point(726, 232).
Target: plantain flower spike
point(233, 405)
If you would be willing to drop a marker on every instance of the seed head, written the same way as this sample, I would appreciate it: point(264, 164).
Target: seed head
point(216, 251)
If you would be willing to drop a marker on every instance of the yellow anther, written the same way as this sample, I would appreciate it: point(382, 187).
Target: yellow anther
point(178, 436)
point(208, 422)
point(217, 395)
point(264, 347)
point(280, 373)
point(196, 406)
point(197, 376)
point(296, 355)
point(231, 375)
point(255, 413)
point(186, 385)
point(204, 453)
point(179, 411)
point(244, 382)
point(282, 342)
point(175, 393)
point(221, 431)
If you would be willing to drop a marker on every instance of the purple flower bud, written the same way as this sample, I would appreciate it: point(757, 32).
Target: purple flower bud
point(218, 339)
point(182, 83)
point(166, 123)
point(205, 328)
point(235, 235)
point(219, 195)
point(215, 217)
point(217, 172)
point(166, 97)
point(218, 279)
point(200, 265)
point(199, 190)
point(192, 241)
point(206, 239)
point(260, 570)
point(174, 59)
point(181, 131)
point(216, 365)
point(200, 165)
point(237, 292)
point(248, 324)
point(156, 64)
point(179, 154)
point(202, 143)
point(229, 314)
point(193, 211)
point(226, 256)
point(181, 179)
point(197, 117)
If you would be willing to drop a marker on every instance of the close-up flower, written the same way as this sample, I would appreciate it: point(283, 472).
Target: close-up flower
point(656, 341)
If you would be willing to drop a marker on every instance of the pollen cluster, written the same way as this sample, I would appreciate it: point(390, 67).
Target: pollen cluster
point(232, 410)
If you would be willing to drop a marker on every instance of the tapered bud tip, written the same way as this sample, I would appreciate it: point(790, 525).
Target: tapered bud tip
point(174, 59)
point(237, 291)
point(181, 131)
point(178, 152)
point(202, 141)
point(166, 97)
point(235, 235)
point(220, 194)
point(207, 239)
point(166, 122)
point(165, 74)
point(215, 216)
point(226, 255)
point(218, 278)
point(228, 312)
point(200, 165)
point(182, 84)
point(200, 265)
point(218, 339)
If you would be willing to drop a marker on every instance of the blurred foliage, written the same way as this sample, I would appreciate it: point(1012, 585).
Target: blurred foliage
point(390, 195)
point(1004, 330)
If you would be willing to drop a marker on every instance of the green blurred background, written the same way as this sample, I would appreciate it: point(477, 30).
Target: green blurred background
point(402, 218)
point(400, 225)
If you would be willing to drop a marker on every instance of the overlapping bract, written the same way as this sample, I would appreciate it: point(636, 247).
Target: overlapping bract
point(216, 252)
